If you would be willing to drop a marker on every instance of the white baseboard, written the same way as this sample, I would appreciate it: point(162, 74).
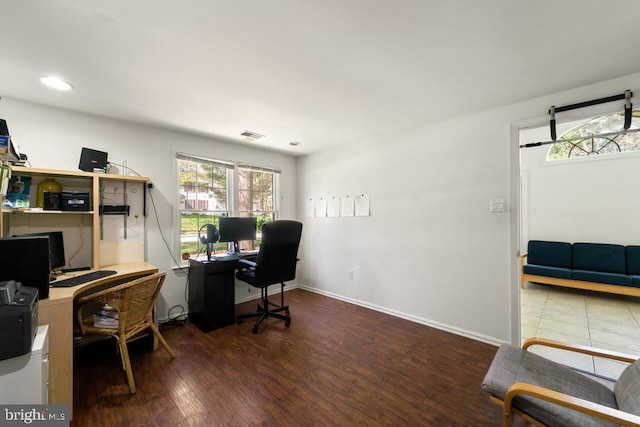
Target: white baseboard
point(423, 321)
point(417, 319)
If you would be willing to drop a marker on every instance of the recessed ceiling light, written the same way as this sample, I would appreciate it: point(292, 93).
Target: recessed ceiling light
point(294, 143)
point(56, 83)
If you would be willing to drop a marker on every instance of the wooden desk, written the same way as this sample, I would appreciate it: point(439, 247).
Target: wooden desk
point(57, 312)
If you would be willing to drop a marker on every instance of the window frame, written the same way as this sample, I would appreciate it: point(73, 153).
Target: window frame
point(598, 148)
point(233, 200)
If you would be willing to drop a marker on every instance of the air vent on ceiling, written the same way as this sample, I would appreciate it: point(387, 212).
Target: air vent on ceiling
point(251, 135)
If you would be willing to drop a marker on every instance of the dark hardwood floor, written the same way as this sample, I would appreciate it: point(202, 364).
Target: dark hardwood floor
point(338, 364)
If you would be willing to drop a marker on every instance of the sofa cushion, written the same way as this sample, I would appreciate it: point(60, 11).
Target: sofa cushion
point(600, 277)
point(513, 364)
point(636, 281)
point(633, 260)
point(552, 254)
point(599, 257)
point(542, 270)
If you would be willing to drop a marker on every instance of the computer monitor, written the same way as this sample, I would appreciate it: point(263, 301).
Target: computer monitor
point(234, 229)
point(26, 260)
point(56, 247)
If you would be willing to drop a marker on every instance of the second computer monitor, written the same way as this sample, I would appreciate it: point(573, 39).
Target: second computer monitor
point(56, 247)
point(25, 259)
point(235, 229)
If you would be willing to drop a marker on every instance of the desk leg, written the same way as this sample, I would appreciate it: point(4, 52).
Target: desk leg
point(59, 317)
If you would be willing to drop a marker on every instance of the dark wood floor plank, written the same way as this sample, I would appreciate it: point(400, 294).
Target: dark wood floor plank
point(338, 364)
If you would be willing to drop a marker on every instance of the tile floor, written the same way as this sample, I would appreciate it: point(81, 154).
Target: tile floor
point(589, 318)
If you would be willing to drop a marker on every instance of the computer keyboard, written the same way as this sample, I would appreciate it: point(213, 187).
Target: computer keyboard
point(82, 278)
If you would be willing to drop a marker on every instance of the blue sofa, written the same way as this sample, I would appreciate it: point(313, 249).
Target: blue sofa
point(594, 266)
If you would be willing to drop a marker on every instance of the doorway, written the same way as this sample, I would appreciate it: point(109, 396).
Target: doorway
point(586, 199)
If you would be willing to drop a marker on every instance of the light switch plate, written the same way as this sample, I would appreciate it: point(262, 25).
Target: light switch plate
point(497, 205)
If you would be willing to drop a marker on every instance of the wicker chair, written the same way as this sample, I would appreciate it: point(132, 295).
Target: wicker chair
point(133, 301)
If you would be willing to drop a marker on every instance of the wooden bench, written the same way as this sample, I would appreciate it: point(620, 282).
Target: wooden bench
point(599, 267)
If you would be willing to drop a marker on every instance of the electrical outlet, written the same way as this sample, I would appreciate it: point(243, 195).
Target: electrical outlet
point(349, 274)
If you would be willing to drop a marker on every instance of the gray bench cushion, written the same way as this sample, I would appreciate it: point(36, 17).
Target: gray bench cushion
point(513, 364)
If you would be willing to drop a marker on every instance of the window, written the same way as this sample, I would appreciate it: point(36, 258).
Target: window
point(209, 189)
point(256, 196)
point(588, 142)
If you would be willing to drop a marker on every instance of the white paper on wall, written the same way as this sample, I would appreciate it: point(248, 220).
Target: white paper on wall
point(361, 203)
point(333, 207)
point(346, 206)
point(321, 207)
point(310, 208)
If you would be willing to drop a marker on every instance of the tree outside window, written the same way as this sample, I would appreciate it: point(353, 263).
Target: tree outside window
point(256, 195)
point(203, 189)
point(207, 190)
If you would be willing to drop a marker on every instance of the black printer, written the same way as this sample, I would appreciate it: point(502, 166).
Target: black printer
point(18, 318)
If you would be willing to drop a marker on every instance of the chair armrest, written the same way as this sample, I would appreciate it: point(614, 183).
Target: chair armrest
point(570, 402)
point(614, 355)
point(246, 261)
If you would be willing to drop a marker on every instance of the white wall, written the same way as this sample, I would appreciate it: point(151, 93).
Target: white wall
point(430, 250)
point(591, 199)
point(53, 138)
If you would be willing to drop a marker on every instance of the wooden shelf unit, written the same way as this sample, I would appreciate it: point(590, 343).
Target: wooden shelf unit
point(84, 181)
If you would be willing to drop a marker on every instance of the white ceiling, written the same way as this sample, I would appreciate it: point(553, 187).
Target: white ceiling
point(323, 73)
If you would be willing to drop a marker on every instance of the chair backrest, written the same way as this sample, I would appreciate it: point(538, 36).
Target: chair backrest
point(142, 297)
point(278, 256)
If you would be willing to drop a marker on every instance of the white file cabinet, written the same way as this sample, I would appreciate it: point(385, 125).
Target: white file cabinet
point(25, 379)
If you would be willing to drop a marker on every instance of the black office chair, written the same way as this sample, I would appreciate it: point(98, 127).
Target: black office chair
point(276, 263)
